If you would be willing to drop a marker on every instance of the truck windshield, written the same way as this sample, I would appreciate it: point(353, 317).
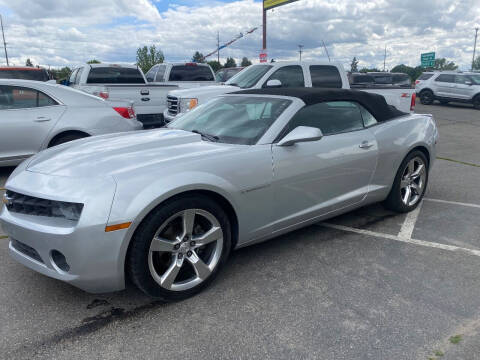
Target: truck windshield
point(114, 75)
point(249, 77)
point(233, 119)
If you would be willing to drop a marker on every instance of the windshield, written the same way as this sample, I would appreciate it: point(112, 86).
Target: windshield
point(233, 119)
point(249, 77)
point(38, 75)
point(475, 79)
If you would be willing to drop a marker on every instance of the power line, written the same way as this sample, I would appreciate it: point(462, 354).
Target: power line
point(4, 43)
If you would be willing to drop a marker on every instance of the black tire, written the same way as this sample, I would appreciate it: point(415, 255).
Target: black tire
point(394, 200)
point(427, 97)
point(62, 139)
point(476, 102)
point(137, 265)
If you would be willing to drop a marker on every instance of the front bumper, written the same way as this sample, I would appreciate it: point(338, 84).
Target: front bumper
point(167, 117)
point(94, 257)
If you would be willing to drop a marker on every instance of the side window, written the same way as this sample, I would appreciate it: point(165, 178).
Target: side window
point(150, 75)
point(446, 78)
point(79, 74)
point(460, 79)
point(160, 73)
point(368, 119)
point(331, 117)
point(325, 76)
point(17, 97)
point(71, 80)
point(289, 76)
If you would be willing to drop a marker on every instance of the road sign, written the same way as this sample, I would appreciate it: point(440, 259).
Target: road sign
point(263, 57)
point(427, 59)
point(270, 4)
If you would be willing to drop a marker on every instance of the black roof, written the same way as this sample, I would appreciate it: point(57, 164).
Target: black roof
point(374, 103)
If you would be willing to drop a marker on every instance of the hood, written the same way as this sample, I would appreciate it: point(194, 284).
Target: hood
point(204, 91)
point(116, 153)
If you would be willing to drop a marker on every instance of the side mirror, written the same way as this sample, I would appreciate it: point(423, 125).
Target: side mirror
point(273, 83)
point(301, 134)
point(469, 83)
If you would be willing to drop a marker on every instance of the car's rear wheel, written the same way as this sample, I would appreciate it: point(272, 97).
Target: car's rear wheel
point(426, 97)
point(476, 102)
point(410, 183)
point(179, 248)
point(67, 137)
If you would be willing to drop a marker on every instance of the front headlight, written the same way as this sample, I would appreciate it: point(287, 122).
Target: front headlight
point(187, 104)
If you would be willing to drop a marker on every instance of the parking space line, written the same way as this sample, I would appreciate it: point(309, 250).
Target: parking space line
point(408, 225)
point(458, 161)
point(452, 202)
point(401, 239)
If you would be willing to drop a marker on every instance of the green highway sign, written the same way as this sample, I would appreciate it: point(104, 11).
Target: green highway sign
point(427, 59)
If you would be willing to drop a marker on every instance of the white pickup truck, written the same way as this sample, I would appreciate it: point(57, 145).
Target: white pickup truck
point(281, 74)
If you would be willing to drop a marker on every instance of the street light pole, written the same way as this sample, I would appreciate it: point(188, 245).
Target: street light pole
point(300, 51)
point(474, 47)
point(4, 43)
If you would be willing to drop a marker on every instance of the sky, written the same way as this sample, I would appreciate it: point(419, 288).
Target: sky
point(70, 32)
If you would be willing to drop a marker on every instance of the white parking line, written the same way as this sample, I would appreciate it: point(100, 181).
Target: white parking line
point(408, 225)
point(453, 202)
point(401, 239)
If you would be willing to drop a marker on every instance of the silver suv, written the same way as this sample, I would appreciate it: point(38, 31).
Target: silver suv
point(449, 86)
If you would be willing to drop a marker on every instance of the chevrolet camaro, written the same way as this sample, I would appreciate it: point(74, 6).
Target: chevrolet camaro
point(166, 207)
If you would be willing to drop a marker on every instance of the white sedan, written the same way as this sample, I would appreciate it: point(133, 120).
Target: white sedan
point(36, 115)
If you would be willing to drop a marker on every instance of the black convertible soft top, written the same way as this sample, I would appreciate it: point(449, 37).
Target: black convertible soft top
point(374, 103)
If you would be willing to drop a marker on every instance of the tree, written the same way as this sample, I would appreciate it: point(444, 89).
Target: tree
point(198, 57)
point(443, 64)
point(230, 63)
point(476, 63)
point(367, 70)
point(149, 56)
point(61, 74)
point(215, 65)
point(29, 63)
point(246, 62)
point(413, 72)
point(93, 61)
point(354, 65)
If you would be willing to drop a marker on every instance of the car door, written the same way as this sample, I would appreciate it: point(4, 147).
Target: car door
point(462, 90)
point(314, 178)
point(26, 117)
point(445, 85)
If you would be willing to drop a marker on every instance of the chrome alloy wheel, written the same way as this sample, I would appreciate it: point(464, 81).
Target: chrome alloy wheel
point(413, 181)
point(185, 249)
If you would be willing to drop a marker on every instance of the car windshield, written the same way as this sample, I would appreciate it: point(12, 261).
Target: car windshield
point(248, 77)
point(475, 79)
point(233, 119)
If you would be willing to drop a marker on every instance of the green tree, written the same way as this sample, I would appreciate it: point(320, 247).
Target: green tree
point(61, 74)
point(366, 70)
point(215, 65)
point(29, 63)
point(354, 65)
point(476, 63)
point(246, 62)
point(198, 57)
point(443, 64)
point(149, 56)
point(230, 63)
point(93, 61)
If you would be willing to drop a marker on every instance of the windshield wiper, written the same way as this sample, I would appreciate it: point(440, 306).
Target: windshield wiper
point(209, 137)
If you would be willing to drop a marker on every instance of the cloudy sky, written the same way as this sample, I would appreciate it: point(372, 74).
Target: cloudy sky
point(69, 32)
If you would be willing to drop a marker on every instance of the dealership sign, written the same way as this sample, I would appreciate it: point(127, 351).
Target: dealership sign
point(427, 59)
point(270, 4)
point(263, 57)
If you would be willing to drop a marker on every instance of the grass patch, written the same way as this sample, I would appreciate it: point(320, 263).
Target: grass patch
point(455, 339)
point(3, 237)
point(439, 353)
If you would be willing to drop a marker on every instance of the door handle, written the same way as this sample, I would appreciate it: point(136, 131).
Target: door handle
point(365, 145)
point(42, 119)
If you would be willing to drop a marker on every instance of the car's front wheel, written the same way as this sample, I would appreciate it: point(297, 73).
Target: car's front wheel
point(410, 183)
point(179, 248)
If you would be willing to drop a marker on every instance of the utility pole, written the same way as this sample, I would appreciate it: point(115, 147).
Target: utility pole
point(474, 47)
point(300, 51)
point(218, 46)
point(4, 43)
point(384, 58)
point(264, 30)
point(326, 51)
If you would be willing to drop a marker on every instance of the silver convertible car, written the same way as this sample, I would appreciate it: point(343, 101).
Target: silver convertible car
point(166, 207)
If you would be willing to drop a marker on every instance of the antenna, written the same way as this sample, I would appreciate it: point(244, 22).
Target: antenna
point(4, 43)
point(324, 46)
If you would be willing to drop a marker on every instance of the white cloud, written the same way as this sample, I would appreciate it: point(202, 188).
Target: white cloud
point(68, 32)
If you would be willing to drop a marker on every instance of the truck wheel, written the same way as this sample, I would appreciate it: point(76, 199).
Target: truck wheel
point(426, 97)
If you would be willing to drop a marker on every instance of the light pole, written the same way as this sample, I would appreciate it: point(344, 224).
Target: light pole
point(300, 51)
point(474, 47)
point(4, 43)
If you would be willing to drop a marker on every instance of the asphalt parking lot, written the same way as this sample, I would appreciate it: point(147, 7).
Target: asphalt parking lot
point(367, 285)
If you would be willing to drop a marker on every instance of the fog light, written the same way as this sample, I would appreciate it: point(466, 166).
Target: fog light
point(60, 260)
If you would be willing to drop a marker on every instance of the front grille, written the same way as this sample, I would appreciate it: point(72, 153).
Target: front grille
point(26, 250)
point(29, 205)
point(151, 121)
point(172, 104)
